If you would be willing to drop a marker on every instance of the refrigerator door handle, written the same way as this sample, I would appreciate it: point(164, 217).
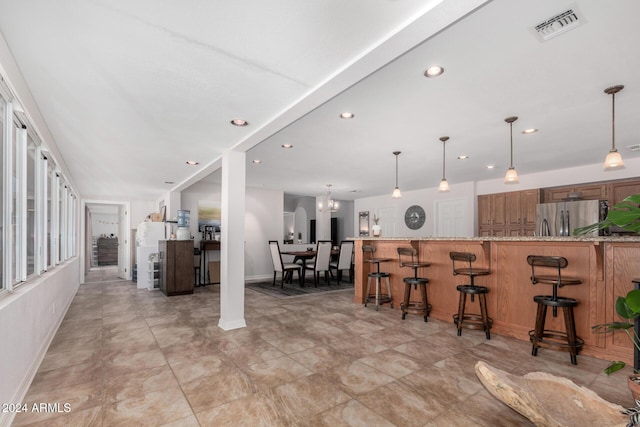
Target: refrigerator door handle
point(567, 226)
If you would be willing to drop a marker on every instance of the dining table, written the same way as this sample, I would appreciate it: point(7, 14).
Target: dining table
point(304, 256)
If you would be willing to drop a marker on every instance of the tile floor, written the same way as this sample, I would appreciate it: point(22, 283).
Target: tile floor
point(126, 357)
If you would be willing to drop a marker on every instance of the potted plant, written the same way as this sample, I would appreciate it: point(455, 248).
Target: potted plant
point(628, 308)
point(376, 230)
point(625, 215)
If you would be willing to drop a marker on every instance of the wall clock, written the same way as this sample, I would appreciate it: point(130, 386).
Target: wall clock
point(414, 217)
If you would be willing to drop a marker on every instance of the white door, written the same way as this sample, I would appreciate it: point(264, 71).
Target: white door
point(124, 272)
point(450, 216)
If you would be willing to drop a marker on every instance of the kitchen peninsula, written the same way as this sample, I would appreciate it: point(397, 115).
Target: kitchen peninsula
point(606, 265)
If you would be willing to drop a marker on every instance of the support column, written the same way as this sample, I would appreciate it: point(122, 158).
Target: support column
point(323, 221)
point(232, 241)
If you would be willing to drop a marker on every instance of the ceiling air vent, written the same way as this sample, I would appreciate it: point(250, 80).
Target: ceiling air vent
point(559, 24)
point(634, 147)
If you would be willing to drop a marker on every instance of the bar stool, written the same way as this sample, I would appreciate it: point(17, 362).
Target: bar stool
point(415, 307)
point(377, 275)
point(541, 337)
point(471, 320)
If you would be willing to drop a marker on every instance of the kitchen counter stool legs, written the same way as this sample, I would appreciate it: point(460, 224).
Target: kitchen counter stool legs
point(408, 257)
point(377, 276)
point(556, 340)
point(470, 320)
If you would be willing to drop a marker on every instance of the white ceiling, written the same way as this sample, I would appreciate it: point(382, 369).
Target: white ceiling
point(132, 90)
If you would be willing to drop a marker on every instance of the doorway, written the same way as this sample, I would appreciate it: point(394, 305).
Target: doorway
point(105, 238)
point(334, 231)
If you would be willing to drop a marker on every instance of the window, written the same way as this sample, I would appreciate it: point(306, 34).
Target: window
point(31, 206)
point(51, 221)
point(38, 226)
point(13, 211)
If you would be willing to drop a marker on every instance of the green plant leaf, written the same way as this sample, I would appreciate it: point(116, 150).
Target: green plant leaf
point(623, 309)
point(611, 326)
point(633, 301)
point(625, 214)
point(615, 365)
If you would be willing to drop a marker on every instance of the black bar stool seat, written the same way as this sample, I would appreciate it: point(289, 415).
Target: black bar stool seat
point(408, 257)
point(462, 319)
point(556, 340)
point(379, 298)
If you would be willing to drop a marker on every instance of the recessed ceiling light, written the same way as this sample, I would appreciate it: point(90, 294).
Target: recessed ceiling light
point(347, 115)
point(257, 161)
point(287, 145)
point(192, 162)
point(528, 131)
point(169, 182)
point(434, 71)
point(463, 157)
point(491, 166)
point(239, 122)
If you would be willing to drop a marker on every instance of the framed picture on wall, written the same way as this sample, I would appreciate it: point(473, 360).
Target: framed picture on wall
point(363, 223)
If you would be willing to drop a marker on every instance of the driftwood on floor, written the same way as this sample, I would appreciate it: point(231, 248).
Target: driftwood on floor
point(547, 400)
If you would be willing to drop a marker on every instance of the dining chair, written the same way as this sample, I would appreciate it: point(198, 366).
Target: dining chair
point(344, 261)
point(321, 264)
point(284, 268)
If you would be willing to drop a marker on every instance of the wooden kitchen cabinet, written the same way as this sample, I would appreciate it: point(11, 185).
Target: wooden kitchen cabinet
point(594, 191)
point(529, 199)
point(508, 214)
point(491, 210)
point(176, 266)
point(622, 190)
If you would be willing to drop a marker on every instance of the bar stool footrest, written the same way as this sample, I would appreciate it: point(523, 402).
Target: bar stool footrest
point(555, 340)
point(382, 299)
point(472, 321)
point(415, 307)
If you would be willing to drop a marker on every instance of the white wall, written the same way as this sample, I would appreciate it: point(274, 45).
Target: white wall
point(30, 317)
point(263, 222)
point(391, 211)
point(345, 217)
point(102, 224)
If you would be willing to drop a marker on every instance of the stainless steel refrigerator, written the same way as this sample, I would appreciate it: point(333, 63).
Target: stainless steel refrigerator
point(561, 218)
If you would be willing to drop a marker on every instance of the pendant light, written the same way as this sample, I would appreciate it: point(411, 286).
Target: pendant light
point(396, 191)
point(512, 176)
point(444, 185)
point(328, 204)
point(614, 159)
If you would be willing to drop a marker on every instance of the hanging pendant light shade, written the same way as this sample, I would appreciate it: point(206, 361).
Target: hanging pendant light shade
point(614, 159)
point(444, 185)
point(396, 191)
point(512, 176)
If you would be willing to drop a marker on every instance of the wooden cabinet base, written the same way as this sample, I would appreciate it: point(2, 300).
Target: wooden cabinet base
point(176, 267)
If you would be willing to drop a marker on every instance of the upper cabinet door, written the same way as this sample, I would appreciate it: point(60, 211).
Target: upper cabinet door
point(528, 201)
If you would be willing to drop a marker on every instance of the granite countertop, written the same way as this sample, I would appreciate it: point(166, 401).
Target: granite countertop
point(604, 239)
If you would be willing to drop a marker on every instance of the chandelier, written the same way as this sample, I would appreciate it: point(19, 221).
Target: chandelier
point(328, 204)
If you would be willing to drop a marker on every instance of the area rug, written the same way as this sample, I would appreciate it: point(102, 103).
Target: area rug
point(294, 289)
